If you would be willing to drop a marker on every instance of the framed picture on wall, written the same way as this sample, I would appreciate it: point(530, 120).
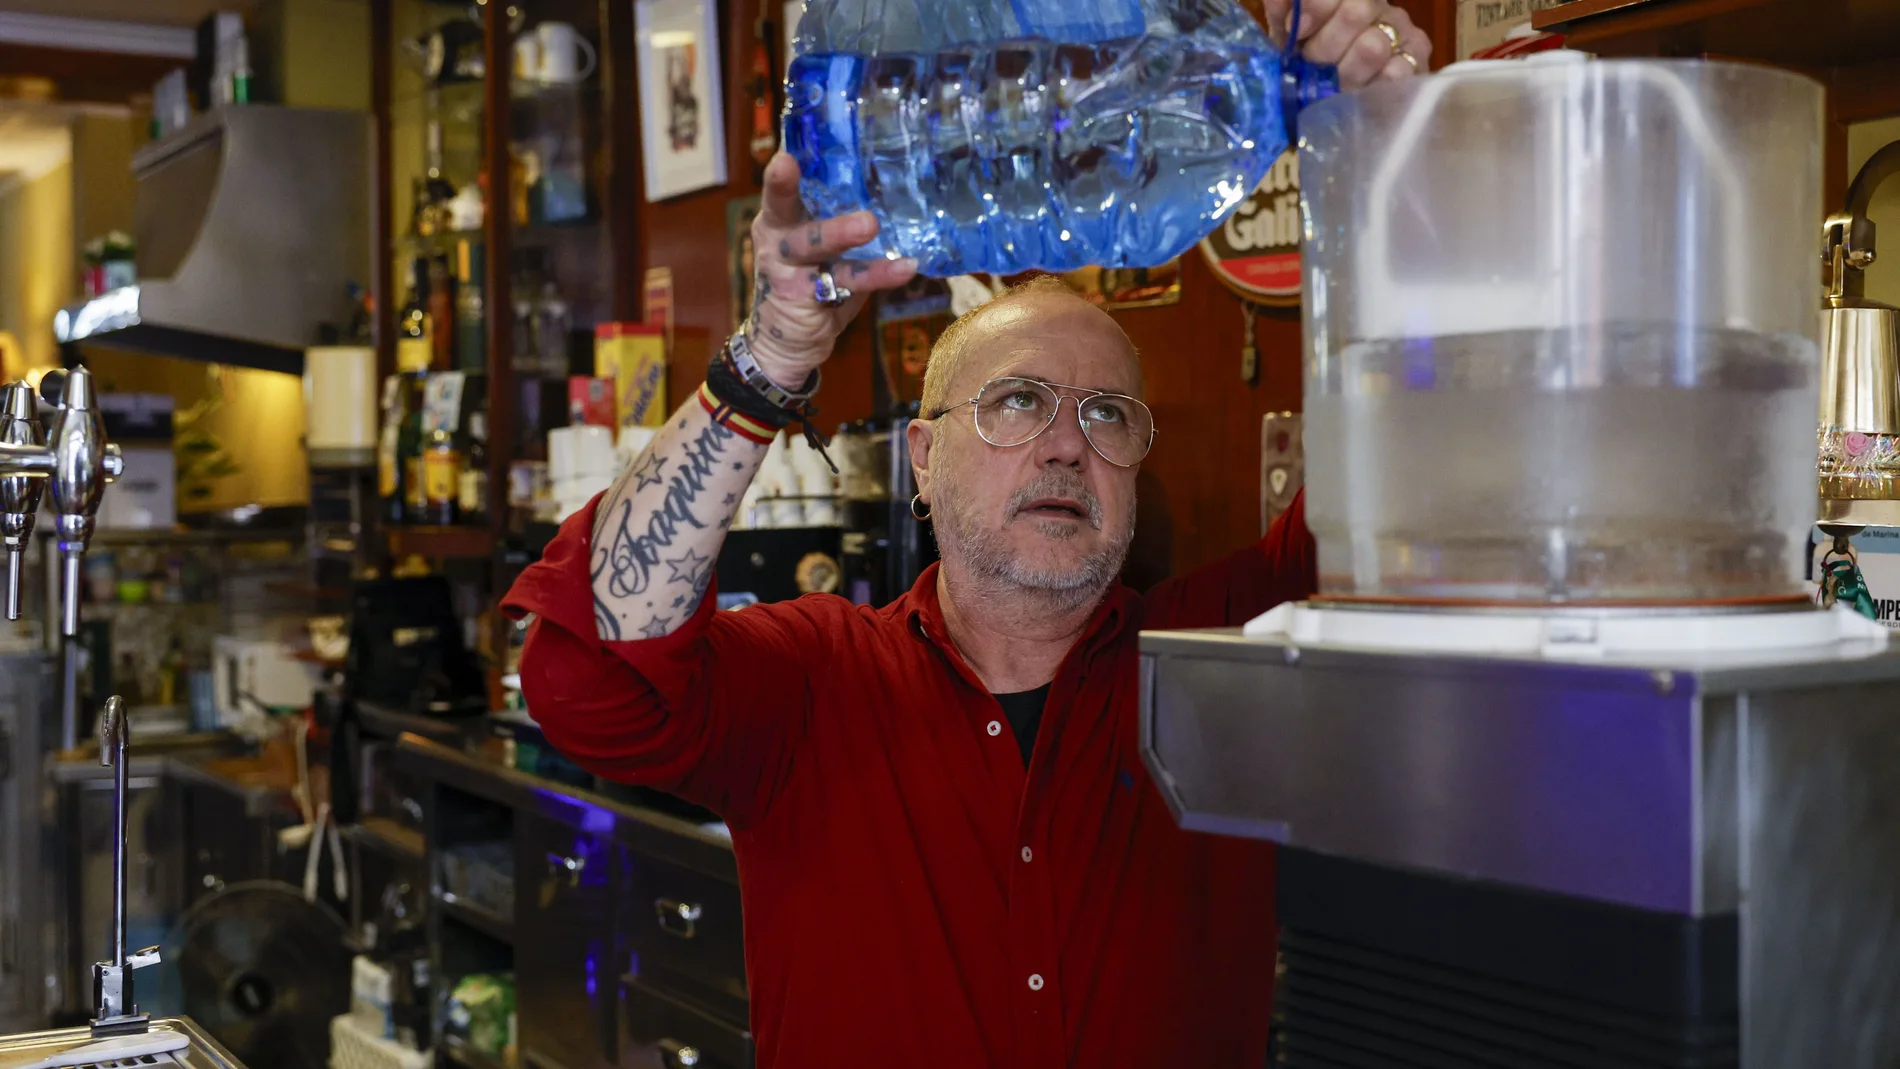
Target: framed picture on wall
point(682, 118)
point(740, 212)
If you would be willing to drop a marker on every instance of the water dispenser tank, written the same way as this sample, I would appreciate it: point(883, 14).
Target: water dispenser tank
point(1560, 333)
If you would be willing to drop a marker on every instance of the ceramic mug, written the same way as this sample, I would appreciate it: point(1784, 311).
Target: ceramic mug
point(566, 57)
point(528, 58)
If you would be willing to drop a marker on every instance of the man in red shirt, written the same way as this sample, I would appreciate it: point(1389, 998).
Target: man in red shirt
point(950, 853)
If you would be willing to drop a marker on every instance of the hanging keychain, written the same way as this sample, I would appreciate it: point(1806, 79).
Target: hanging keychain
point(1249, 354)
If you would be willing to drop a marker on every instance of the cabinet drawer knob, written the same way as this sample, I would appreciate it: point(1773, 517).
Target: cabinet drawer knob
point(572, 866)
point(676, 917)
point(677, 1054)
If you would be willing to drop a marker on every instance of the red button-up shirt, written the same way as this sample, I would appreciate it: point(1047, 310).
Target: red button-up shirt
point(913, 895)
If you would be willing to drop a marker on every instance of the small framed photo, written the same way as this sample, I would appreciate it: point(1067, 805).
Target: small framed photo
point(682, 118)
point(740, 261)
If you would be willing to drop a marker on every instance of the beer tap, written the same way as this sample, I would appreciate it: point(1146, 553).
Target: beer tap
point(76, 463)
point(19, 494)
point(117, 1011)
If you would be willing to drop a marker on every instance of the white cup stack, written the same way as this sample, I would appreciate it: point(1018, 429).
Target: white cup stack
point(581, 463)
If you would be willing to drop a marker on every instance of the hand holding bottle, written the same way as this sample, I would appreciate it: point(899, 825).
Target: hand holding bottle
point(790, 331)
point(1368, 40)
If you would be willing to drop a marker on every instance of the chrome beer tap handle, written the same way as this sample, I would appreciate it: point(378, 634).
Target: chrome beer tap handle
point(19, 494)
point(118, 1011)
point(81, 469)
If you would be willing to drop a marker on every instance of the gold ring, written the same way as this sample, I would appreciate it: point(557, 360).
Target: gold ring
point(1410, 58)
point(1391, 35)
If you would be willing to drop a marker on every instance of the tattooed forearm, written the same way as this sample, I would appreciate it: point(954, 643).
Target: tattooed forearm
point(657, 532)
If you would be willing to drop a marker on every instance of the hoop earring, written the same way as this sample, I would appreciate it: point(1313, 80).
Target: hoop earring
point(914, 514)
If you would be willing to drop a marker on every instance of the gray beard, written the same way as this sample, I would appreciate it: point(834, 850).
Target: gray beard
point(985, 552)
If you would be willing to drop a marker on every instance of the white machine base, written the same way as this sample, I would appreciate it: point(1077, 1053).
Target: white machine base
point(1564, 635)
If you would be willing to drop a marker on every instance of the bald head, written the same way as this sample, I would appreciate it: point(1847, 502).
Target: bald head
point(983, 334)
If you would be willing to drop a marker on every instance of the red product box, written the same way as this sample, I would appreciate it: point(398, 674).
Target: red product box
point(590, 399)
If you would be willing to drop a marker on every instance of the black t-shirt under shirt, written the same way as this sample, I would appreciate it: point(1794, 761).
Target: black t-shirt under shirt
point(1023, 710)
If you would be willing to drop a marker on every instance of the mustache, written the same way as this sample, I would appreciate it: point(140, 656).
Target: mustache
point(1059, 482)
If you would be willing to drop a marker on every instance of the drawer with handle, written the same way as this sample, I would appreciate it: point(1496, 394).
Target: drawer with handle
point(658, 1031)
point(685, 932)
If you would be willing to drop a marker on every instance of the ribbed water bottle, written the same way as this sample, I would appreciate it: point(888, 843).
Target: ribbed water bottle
point(1009, 135)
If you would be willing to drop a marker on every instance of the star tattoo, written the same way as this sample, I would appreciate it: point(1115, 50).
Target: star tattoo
point(657, 627)
point(648, 473)
point(687, 568)
point(730, 498)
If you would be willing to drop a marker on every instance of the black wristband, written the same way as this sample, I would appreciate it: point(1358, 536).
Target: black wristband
point(731, 391)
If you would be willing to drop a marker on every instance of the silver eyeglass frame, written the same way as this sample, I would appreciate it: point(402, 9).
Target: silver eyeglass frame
point(1081, 424)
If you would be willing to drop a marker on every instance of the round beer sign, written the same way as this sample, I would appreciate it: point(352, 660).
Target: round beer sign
point(1256, 250)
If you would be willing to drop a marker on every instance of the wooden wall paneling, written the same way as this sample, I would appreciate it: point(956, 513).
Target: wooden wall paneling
point(1200, 488)
point(382, 285)
point(623, 192)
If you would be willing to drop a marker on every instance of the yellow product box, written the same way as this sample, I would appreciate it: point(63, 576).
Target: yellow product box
point(634, 356)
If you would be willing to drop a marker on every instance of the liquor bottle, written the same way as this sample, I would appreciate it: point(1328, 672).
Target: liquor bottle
point(409, 450)
point(472, 491)
point(526, 357)
point(471, 334)
point(552, 321)
point(388, 448)
point(441, 477)
point(415, 344)
point(442, 314)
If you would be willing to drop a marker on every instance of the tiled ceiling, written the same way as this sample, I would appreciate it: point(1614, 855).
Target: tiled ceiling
point(157, 12)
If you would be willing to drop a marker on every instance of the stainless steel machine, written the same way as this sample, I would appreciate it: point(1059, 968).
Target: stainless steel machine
point(1568, 769)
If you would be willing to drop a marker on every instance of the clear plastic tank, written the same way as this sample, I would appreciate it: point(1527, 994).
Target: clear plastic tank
point(1560, 328)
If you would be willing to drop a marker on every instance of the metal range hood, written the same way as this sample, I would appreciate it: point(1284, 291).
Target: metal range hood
point(250, 221)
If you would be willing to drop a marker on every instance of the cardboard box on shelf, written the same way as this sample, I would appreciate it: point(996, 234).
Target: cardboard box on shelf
point(591, 400)
point(633, 355)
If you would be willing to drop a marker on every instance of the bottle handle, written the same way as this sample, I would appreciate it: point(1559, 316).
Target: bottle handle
point(1302, 82)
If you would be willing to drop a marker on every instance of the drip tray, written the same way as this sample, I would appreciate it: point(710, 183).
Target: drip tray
point(1562, 632)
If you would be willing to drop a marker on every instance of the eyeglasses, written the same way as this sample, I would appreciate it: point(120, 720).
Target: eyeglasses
point(1013, 411)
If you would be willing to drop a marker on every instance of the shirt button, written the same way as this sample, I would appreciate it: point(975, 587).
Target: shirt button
point(1035, 981)
point(995, 728)
point(1026, 854)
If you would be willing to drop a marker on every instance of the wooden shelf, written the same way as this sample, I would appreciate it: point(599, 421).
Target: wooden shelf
point(387, 837)
point(441, 542)
point(1808, 34)
point(474, 916)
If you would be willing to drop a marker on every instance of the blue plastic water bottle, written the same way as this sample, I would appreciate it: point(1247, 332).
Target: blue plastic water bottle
point(1010, 135)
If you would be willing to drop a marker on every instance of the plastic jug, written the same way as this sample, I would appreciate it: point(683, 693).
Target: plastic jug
point(1007, 135)
point(1560, 333)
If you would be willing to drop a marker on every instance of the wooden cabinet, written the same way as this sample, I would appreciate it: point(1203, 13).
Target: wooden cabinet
point(564, 945)
point(659, 1031)
point(625, 937)
point(683, 933)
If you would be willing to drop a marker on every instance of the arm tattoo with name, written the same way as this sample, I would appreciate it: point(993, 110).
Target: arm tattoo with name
point(624, 558)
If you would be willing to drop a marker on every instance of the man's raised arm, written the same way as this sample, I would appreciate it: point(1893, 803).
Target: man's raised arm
point(658, 530)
